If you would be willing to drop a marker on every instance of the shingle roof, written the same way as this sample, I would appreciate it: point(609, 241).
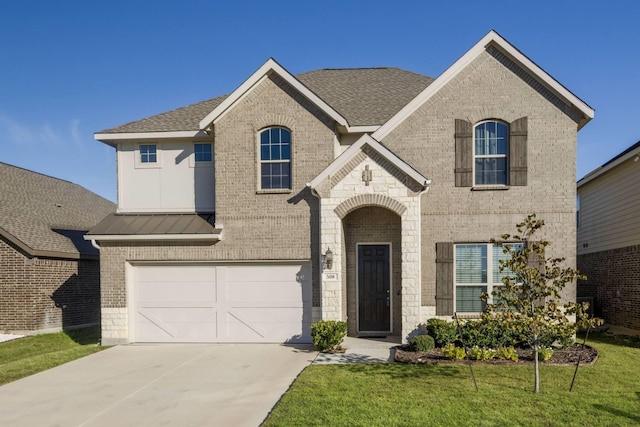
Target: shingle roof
point(364, 96)
point(46, 216)
point(180, 119)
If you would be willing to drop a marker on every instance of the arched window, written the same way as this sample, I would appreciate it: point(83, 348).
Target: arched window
point(275, 158)
point(491, 153)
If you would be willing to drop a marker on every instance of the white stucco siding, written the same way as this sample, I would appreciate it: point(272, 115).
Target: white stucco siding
point(175, 183)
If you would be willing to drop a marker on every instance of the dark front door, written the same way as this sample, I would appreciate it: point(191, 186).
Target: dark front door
point(374, 296)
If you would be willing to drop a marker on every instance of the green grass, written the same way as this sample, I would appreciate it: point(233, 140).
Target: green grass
point(605, 394)
point(27, 356)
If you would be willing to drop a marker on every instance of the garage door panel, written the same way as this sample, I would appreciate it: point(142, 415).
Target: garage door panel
point(266, 273)
point(166, 291)
point(175, 273)
point(234, 303)
point(276, 291)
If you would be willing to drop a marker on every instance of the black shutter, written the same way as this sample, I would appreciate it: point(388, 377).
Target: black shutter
point(444, 279)
point(464, 153)
point(518, 152)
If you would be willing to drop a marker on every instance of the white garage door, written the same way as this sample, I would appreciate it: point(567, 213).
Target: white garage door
point(222, 303)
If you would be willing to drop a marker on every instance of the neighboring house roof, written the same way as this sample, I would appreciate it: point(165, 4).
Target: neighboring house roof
point(156, 227)
point(46, 216)
point(627, 154)
point(363, 96)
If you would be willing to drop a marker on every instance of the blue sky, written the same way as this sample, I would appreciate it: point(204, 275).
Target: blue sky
point(72, 68)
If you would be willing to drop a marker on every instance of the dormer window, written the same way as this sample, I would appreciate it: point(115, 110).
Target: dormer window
point(275, 158)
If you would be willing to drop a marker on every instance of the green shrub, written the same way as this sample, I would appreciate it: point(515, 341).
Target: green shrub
point(422, 343)
point(544, 353)
point(481, 353)
point(490, 332)
point(507, 353)
point(450, 351)
point(560, 335)
point(328, 334)
point(443, 332)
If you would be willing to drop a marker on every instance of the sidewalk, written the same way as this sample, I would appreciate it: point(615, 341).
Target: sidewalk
point(362, 350)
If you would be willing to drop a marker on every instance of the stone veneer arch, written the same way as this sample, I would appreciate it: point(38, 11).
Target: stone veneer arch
point(361, 200)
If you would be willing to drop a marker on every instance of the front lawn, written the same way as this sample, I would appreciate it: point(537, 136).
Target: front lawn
point(27, 356)
point(607, 394)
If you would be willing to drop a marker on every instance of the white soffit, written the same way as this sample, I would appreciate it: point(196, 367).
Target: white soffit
point(350, 152)
point(108, 137)
point(271, 66)
point(492, 38)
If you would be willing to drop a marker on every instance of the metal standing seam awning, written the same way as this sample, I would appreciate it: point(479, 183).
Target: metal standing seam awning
point(170, 226)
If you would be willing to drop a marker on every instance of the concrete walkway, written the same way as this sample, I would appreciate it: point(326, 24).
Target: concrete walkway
point(362, 350)
point(157, 385)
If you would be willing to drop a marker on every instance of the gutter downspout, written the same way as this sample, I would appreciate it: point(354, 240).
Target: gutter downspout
point(95, 244)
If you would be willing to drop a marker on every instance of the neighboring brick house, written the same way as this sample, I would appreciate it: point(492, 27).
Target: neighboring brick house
point(367, 195)
point(49, 275)
point(609, 239)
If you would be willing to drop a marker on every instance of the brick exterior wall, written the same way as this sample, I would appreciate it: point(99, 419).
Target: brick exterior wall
point(491, 87)
point(613, 281)
point(40, 294)
point(292, 225)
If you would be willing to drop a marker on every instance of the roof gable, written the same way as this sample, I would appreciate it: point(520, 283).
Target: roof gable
point(491, 39)
point(271, 66)
point(360, 145)
point(46, 216)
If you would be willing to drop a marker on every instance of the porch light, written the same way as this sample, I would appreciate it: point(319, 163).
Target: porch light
point(327, 260)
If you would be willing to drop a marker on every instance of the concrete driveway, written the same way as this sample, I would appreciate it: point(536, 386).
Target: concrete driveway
point(156, 385)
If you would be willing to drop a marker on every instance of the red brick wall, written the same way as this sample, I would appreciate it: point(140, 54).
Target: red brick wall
point(38, 293)
point(613, 281)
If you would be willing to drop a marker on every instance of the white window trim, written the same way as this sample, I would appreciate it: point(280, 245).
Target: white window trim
point(489, 156)
point(200, 164)
point(138, 157)
point(259, 162)
point(490, 285)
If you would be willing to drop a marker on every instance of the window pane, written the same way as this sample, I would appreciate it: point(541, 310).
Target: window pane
point(148, 154)
point(491, 138)
point(471, 263)
point(275, 169)
point(286, 151)
point(264, 152)
point(468, 298)
point(266, 182)
point(491, 171)
point(285, 136)
point(498, 254)
point(275, 152)
point(275, 135)
point(202, 152)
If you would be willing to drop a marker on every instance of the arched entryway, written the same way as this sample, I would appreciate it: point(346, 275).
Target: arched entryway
point(372, 268)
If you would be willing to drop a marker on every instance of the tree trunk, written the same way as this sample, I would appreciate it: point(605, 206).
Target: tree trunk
point(536, 347)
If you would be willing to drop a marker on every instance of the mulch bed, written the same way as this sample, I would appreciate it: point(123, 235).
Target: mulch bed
point(565, 357)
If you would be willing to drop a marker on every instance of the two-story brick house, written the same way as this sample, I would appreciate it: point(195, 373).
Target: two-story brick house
point(367, 195)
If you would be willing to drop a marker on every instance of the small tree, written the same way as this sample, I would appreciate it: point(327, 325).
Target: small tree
point(530, 298)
